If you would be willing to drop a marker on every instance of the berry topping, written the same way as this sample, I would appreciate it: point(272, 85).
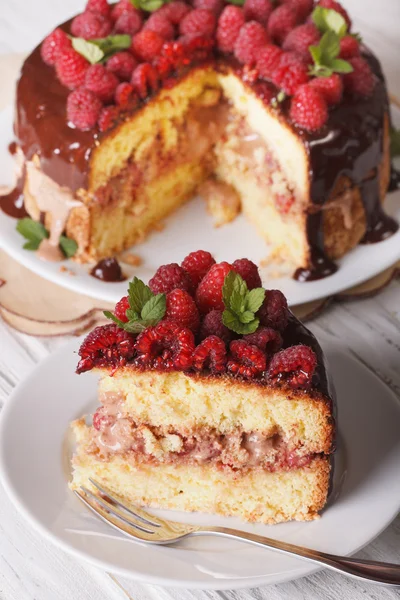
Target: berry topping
point(301, 38)
point(174, 11)
point(274, 312)
point(198, 21)
point(333, 5)
point(108, 117)
point(120, 309)
point(331, 88)
point(361, 81)
point(294, 366)
point(161, 25)
point(308, 108)
point(302, 8)
point(349, 47)
point(168, 278)
point(101, 81)
point(71, 68)
point(245, 359)
point(252, 37)
point(83, 109)
point(90, 25)
point(101, 421)
point(258, 10)
point(165, 346)
point(104, 346)
point(121, 7)
point(215, 6)
point(144, 80)
point(248, 271)
point(210, 354)
point(99, 6)
point(124, 94)
point(129, 22)
point(53, 45)
point(122, 65)
point(268, 60)
point(182, 309)
point(281, 22)
point(147, 44)
point(197, 264)
point(229, 24)
point(290, 76)
point(212, 325)
point(267, 339)
point(209, 292)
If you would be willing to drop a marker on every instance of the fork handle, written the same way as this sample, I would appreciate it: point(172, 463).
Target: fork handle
point(378, 572)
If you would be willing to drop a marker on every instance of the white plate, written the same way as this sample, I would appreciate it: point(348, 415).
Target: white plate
point(191, 228)
point(34, 464)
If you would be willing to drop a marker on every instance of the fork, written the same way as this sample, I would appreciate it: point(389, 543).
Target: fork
point(141, 525)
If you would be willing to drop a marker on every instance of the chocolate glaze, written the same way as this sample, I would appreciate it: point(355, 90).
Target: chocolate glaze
point(12, 204)
point(12, 148)
point(109, 270)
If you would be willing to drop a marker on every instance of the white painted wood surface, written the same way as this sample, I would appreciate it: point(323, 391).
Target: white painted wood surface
point(31, 568)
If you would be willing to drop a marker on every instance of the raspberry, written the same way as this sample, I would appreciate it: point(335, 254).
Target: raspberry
point(107, 118)
point(122, 7)
point(274, 312)
point(83, 109)
point(168, 278)
point(267, 339)
point(106, 346)
point(331, 88)
point(99, 6)
point(332, 4)
point(252, 37)
point(290, 77)
point(144, 80)
point(210, 354)
point(196, 264)
point(245, 359)
point(53, 45)
point(349, 47)
point(102, 82)
point(294, 365)
point(100, 420)
point(129, 22)
point(122, 65)
point(301, 7)
point(284, 202)
point(174, 11)
point(214, 6)
point(258, 10)
point(123, 94)
point(229, 24)
point(268, 60)
point(197, 47)
point(281, 22)
point(71, 68)
point(248, 271)
point(165, 346)
point(91, 25)
point(209, 292)
point(120, 309)
point(161, 25)
point(361, 81)
point(147, 44)
point(301, 38)
point(163, 66)
point(212, 325)
point(292, 58)
point(308, 108)
point(198, 21)
point(182, 309)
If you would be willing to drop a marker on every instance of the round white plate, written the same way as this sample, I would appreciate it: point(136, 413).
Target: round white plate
point(34, 465)
point(191, 228)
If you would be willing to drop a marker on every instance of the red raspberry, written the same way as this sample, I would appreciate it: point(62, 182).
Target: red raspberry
point(165, 346)
point(209, 292)
point(71, 68)
point(197, 47)
point(108, 118)
point(294, 366)
point(252, 37)
point(331, 88)
point(174, 52)
point(91, 25)
point(106, 346)
point(349, 47)
point(120, 309)
point(83, 109)
point(99, 6)
point(53, 45)
point(267, 339)
point(308, 108)
point(248, 271)
point(122, 65)
point(245, 359)
point(301, 38)
point(229, 24)
point(168, 278)
point(197, 264)
point(122, 7)
point(214, 6)
point(182, 309)
point(302, 8)
point(144, 80)
point(123, 94)
point(212, 325)
point(292, 58)
point(101, 421)
point(174, 11)
point(281, 23)
point(198, 21)
point(332, 4)
point(361, 81)
point(268, 60)
point(161, 25)
point(210, 354)
point(101, 81)
point(163, 66)
point(274, 312)
point(129, 22)
point(258, 10)
point(147, 44)
point(290, 77)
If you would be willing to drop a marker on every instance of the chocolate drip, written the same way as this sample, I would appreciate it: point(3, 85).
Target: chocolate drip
point(12, 148)
point(109, 270)
point(12, 204)
point(394, 183)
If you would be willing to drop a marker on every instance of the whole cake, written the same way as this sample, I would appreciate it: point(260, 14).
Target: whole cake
point(273, 109)
point(213, 398)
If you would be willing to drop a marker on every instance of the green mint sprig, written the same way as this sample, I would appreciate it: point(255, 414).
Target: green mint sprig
point(241, 304)
point(394, 142)
point(34, 232)
point(145, 308)
point(99, 50)
point(325, 57)
point(327, 19)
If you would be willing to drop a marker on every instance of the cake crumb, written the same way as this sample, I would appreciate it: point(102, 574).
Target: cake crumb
point(64, 269)
point(223, 201)
point(134, 260)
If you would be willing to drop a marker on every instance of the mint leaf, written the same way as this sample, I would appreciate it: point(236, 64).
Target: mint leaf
point(33, 231)
point(240, 304)
point(135, 326)
point(246, 317)
point(154, 309)
point(111, 316)
point(339, 65)
point(138, 295)
point(237, 302)
point(30, 246)
point(88, 50)
point(233, 283)
point(112, 44)
point(330, 47)
point(325, 57)
point(316, 54)
point(148, 5)
point(231, 321)
point(394, 142)
point(254, 299)
point(68, 246)
point(328, 19)
point(237, 2)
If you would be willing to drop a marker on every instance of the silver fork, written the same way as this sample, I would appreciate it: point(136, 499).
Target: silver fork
point(141, 525)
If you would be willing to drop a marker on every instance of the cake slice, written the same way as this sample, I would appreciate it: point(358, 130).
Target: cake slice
point(213, 398)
